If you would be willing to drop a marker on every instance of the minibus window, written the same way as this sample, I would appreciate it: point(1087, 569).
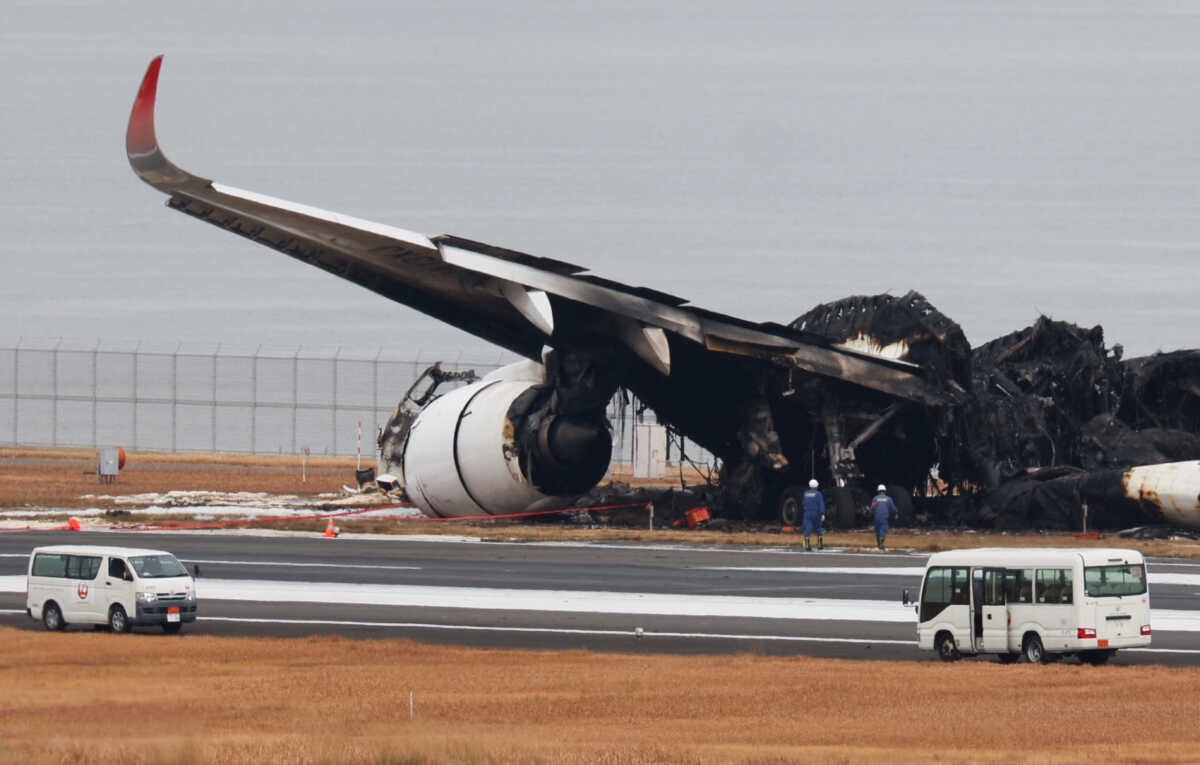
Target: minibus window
point(157, 566)
point(1054, 585)
point(82, 567)
point(1018, 585)
point(943, 587)
point(1120, 579)
point(47, 564)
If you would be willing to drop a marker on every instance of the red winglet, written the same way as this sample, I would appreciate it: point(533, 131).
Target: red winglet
point(139, 137)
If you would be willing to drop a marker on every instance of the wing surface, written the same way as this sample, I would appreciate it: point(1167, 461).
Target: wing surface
point(512, 299)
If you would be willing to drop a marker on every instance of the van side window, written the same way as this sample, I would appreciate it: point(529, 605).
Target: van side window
point(944, 586)
point(1054, 585)
point(116, 568)
point(50, 564)
point(1018, 585)
point(82, 566)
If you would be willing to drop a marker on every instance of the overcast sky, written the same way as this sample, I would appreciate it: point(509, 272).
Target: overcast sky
point(757, 158)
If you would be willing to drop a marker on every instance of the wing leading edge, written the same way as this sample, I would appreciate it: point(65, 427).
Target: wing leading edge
point(512, 299)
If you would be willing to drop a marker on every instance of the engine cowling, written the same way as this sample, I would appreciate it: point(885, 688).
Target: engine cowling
point(465, 455)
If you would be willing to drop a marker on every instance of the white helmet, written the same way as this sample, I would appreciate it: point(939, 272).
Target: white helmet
point(813, 484)
point(880, 487)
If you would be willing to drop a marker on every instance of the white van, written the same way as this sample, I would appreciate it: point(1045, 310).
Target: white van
point(123, 587)
point(1035, 602)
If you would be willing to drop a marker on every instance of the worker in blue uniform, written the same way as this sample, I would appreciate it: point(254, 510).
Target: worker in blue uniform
point(884, 509)
point(814, 515)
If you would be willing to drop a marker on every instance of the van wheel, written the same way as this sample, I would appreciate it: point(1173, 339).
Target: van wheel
point(1095, 658)
point(118, 621)
point(1034, 652)
point(945, 647)
point(171, 627)
point(52, 617)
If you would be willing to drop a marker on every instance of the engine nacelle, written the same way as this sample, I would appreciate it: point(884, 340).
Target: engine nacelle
point(466, 456)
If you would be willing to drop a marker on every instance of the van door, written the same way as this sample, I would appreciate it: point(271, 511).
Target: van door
point(993, 611)
point(85, 602)
point(119, 587)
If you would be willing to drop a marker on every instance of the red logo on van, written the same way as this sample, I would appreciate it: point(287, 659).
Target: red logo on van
point(82, 590)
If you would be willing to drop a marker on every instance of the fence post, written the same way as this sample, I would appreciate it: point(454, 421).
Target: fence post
point(95, 388)
point(213, 411)
point(295, 366)
point(175, 396)
point(254, 401)
point(133, 435)
point(375, 392)
point(16, 390)
point(54, 387)
point(333, 405)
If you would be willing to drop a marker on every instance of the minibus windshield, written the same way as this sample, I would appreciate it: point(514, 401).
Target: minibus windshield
point(1119, 579)
point(157, 566)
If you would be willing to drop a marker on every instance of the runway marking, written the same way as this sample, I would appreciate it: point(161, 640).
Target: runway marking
point(299, 564)
point(914, 571)
point(1187, 580)
point(554, 630)
point(581, 601)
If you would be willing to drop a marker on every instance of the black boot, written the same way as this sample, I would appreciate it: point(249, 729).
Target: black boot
point(820, 541)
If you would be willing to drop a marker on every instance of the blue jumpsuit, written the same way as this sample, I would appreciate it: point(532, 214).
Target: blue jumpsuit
point(814, 509)
point(884, 508)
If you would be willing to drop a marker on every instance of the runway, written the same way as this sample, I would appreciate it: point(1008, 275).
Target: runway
point(569, 596)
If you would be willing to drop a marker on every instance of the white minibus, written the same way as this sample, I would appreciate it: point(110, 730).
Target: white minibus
point(123, 587)
point(1033, 602)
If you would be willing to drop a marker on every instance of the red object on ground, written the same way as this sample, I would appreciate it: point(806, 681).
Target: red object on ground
point(696, 516)
point(120, 458)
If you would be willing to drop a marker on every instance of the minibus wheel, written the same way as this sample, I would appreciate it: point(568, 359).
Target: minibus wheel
point(118, 621)
point(946, 649)
point(1034, 652)
point(52, 617)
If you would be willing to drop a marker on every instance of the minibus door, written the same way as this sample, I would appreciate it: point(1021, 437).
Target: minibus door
point(993, 611)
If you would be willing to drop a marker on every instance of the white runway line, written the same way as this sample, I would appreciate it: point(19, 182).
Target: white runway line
point(552, 630)
point(850, 570)
point(299, 564)
point(604, 633)
point(1188, 580)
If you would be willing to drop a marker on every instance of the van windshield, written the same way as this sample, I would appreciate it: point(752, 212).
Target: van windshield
point(1119, 579)
point(157, 566)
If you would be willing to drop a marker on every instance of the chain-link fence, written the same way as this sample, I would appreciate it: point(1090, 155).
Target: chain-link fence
point(260, 401)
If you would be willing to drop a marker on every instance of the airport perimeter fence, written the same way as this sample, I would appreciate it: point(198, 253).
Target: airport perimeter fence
point(257, 401)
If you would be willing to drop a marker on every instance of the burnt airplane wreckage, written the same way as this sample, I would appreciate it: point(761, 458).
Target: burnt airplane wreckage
point(1021, 431)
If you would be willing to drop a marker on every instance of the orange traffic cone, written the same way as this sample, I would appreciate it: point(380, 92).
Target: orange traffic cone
point(71, 525)
point(331, 531)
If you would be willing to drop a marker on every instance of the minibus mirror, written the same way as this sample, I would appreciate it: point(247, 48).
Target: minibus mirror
point(196, 570)
point(904, 597)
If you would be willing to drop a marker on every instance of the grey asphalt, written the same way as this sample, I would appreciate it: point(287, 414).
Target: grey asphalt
point(610, 568)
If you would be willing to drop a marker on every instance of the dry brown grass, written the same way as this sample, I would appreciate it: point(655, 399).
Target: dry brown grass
point(97, 697)
point(62, 483)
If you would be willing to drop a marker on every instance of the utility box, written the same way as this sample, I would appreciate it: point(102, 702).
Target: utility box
point(649, 451)
point(108, 464)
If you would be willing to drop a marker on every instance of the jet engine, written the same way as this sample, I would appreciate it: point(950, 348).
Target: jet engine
point(503, 444)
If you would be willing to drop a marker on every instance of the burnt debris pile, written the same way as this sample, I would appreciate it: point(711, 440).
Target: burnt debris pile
point(1055, 418)
point(1042, 421)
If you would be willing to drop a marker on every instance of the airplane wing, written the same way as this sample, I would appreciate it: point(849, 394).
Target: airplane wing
point(512, 299)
